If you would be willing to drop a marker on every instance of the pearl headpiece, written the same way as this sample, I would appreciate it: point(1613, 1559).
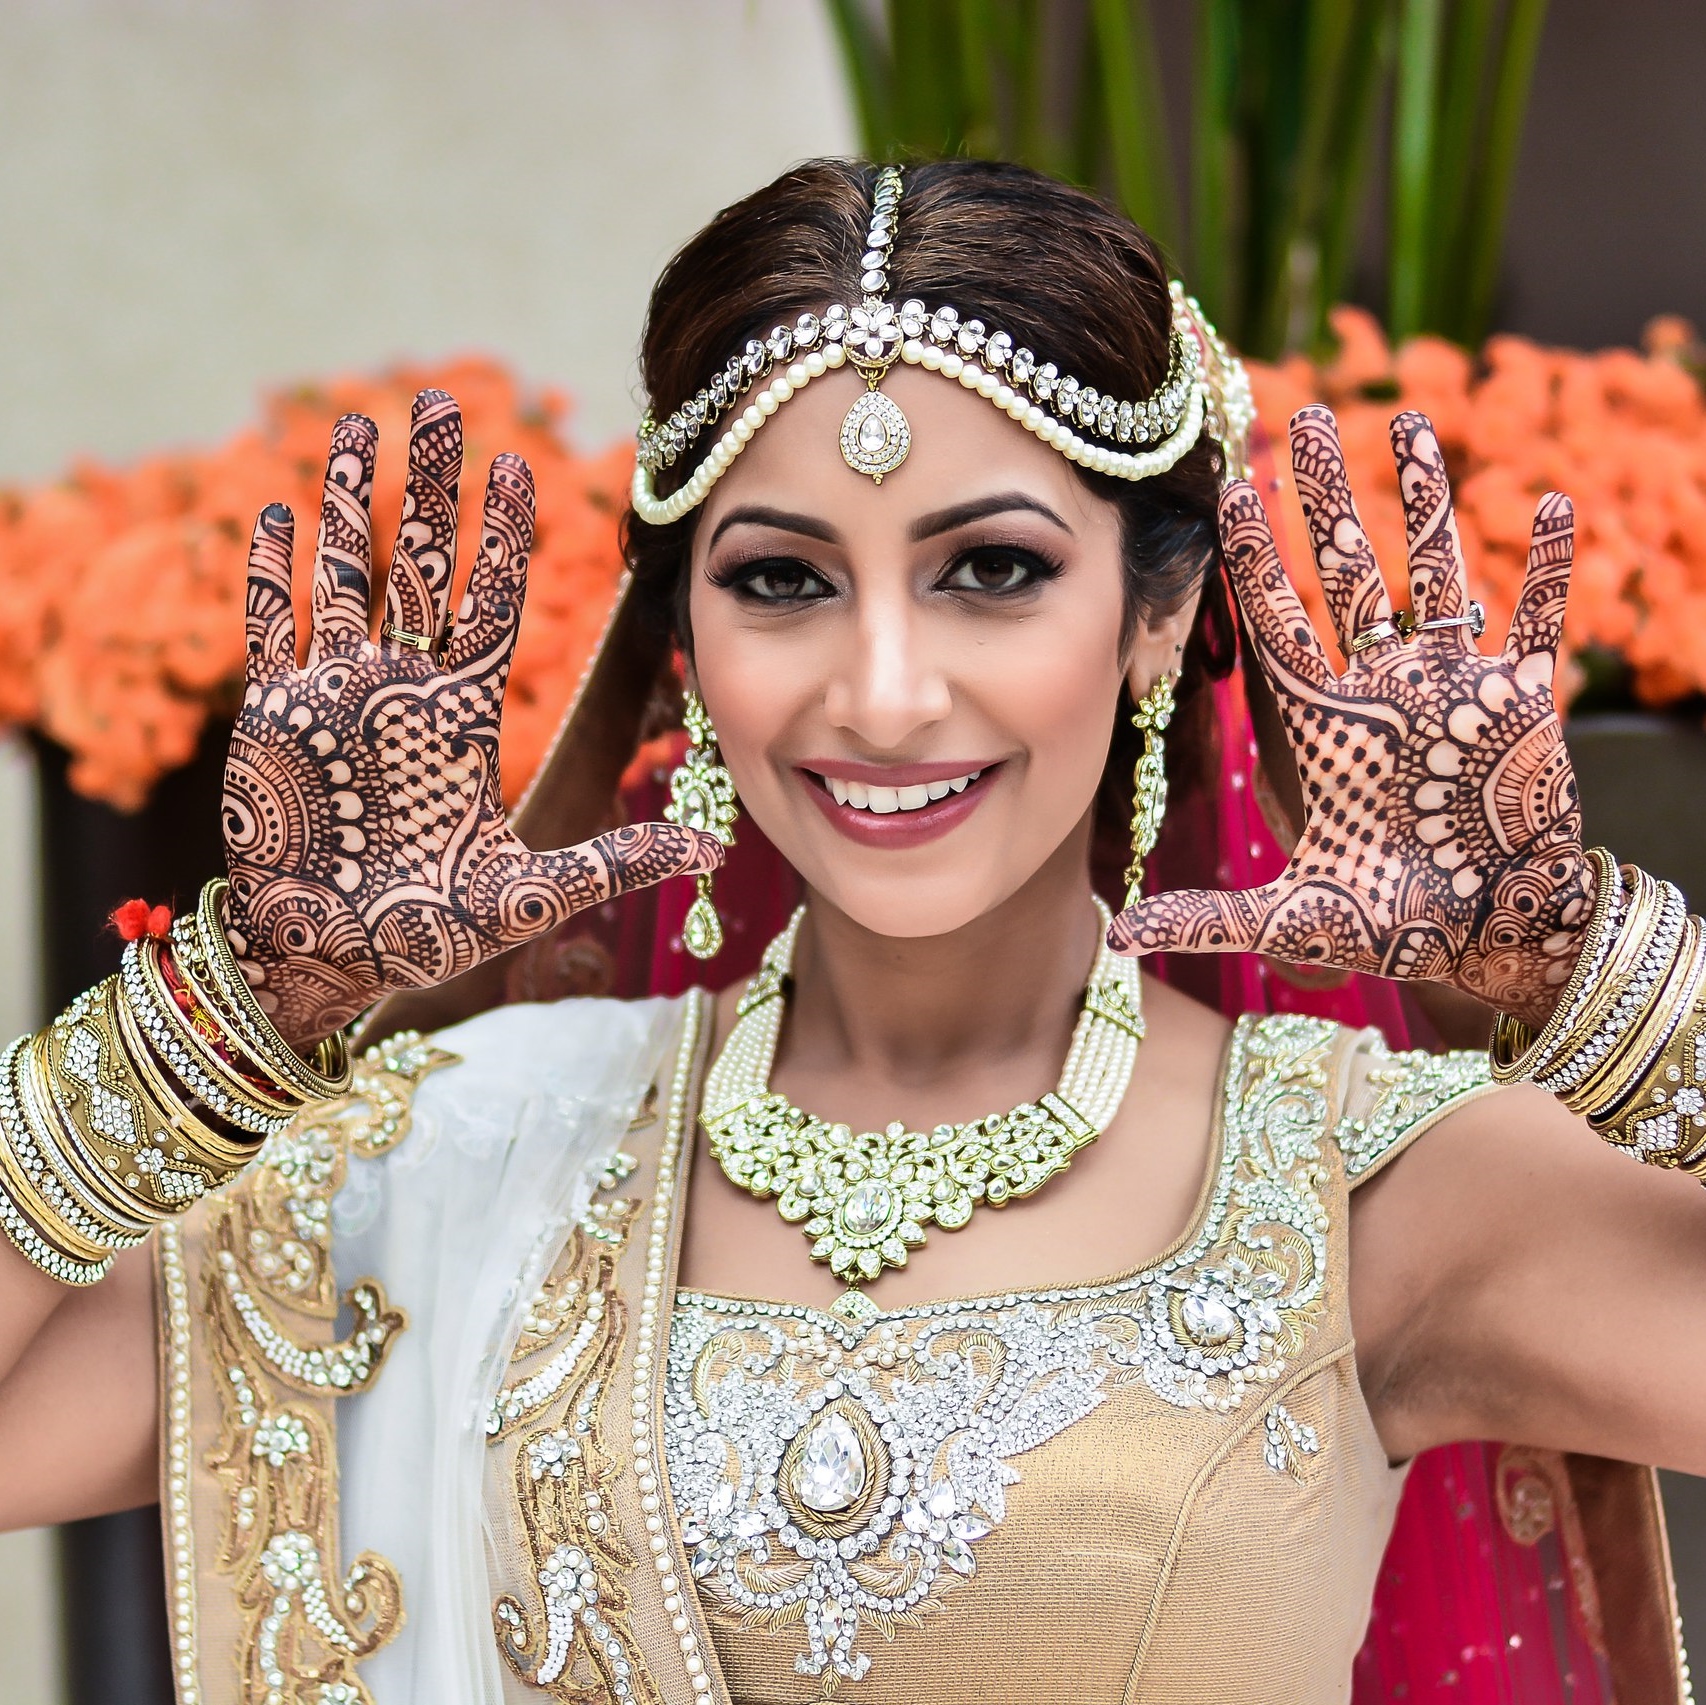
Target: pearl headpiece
point(1204, 383)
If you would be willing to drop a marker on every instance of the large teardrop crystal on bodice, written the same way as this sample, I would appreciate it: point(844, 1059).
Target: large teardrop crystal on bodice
point(831, 1472)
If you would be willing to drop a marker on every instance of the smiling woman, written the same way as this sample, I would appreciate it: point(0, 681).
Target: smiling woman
point(1249, 1266)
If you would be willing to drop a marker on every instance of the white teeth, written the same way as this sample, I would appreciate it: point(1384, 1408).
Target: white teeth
point(866, 796)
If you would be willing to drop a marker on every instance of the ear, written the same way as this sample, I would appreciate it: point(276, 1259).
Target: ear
point(1158, 645)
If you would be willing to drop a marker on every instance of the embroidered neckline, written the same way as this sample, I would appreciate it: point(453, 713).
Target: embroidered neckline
point(1213, 1194)
point(830, 1477)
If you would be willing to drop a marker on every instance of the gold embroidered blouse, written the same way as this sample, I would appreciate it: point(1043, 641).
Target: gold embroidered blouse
point(1166, 1486)
point(583, 1486)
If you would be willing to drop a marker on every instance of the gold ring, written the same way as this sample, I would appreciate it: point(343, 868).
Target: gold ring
point(414, 641)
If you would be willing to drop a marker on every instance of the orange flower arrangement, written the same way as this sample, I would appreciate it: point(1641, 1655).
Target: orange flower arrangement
point(121, 591)
point(1623, 433)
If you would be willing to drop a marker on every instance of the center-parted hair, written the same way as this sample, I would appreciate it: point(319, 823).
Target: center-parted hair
point(1055, 267)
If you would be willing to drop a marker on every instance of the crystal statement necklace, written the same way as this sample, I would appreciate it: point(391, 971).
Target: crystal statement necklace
point(865, 1197)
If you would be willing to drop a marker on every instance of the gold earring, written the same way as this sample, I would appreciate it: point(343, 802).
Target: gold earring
point(702, 796)
point(1149, 784)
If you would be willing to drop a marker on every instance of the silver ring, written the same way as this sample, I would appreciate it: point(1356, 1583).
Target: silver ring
point(1475, 621)
point(1373, 634)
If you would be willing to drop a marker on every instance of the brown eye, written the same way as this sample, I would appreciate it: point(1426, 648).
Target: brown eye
point(995, 569)
point(778, 580)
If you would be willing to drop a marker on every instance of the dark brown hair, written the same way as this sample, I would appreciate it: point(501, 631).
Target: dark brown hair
point(1052, 266)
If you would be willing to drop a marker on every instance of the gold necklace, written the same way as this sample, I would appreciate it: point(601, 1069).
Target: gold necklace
point(864, 1198)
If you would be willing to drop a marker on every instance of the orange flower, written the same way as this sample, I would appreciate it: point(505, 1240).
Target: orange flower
point(121, 589)
point(1624, 433)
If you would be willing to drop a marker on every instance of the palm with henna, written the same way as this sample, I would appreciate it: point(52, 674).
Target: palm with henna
point(365, 833)
point(1442, 835)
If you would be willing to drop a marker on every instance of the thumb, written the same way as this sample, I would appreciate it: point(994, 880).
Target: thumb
point(1194, 920)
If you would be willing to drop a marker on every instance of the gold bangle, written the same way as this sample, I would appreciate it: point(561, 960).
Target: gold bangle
point(324, 1077)
point(27, 1133)
point(197, 1141)
point(126, 1149)
point(185, 1053)
point(62, 1147)
point(1663, 1120)
point(1633, 981)
point(1630, 1060)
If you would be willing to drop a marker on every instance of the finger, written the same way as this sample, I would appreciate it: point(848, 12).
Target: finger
point(417, 593)
point(490, 614)
point(546, 888)
point(1538, 624)
point(1291, 652)
point(343, 559)
point(1437, 586)
point(269, 621)
point(1194, 920)
point(1350, 578)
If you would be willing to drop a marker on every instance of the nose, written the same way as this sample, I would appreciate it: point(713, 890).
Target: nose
point(886, 683)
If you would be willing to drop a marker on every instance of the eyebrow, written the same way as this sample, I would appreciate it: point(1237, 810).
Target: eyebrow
point(783, 520)
point(980, 509)
point(925, 527)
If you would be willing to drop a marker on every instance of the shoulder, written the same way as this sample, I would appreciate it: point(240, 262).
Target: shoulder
point(1370, 1100)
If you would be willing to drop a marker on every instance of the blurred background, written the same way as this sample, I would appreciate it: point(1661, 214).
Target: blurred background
point(223, 223)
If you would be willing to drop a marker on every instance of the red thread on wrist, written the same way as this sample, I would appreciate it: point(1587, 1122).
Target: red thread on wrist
point(136, 918)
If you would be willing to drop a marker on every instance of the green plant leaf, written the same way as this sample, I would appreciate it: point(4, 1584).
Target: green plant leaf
point(1414, 135)
point(1140, 159)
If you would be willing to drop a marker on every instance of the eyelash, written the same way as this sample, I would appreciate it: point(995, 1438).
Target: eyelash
point(741, 578)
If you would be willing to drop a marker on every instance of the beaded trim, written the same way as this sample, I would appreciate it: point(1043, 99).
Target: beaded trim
point(1203, 381)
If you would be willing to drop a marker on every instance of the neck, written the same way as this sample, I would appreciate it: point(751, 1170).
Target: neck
point(994, 999)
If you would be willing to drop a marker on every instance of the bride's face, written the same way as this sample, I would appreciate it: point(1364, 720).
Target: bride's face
point(914, 684)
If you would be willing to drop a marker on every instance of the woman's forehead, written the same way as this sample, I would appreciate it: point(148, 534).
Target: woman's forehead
point(961, 448)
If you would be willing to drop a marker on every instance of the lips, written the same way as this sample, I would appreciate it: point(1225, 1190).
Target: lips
point(898, 806)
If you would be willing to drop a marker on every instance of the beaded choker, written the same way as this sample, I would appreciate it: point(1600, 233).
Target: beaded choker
point(864, 1198)
point(1127, 440)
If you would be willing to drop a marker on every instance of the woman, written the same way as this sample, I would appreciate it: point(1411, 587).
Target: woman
point(609, 1426)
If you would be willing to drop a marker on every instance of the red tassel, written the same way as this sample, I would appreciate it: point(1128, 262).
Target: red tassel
point(136, 918)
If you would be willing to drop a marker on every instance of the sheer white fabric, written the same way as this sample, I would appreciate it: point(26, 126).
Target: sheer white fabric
point(461, 1222)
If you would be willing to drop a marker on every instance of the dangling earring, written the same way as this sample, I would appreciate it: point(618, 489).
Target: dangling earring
point(702, 796)
point(1149, 791)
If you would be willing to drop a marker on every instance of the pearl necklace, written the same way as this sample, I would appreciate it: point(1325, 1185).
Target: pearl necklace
point(865, 1198)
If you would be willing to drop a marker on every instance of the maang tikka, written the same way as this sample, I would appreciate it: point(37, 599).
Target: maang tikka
point(1149, 786)
point(702, 796)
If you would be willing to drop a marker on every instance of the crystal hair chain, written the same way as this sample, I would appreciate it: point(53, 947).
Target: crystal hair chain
point(1204, 384)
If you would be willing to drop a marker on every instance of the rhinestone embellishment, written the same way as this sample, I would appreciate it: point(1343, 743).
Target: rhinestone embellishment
point(875, 436)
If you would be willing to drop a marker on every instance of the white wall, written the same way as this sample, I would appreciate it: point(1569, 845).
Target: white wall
point(197, 200)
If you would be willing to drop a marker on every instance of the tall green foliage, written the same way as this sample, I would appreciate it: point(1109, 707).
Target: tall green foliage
point(1292, 105)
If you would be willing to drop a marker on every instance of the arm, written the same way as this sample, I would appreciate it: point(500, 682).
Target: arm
point(368, 852)
point(1515, 1278)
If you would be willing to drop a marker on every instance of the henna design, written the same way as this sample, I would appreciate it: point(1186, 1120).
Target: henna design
point(1442, 838)
point(1356, 595)
point(364, 824)
point(417, 592)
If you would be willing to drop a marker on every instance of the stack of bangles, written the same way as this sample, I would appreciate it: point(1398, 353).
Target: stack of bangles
point(151, 1089)
point(1626, 1046)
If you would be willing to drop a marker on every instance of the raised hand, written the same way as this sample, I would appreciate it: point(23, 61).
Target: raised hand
point(1442, 838)
point(364, 825)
